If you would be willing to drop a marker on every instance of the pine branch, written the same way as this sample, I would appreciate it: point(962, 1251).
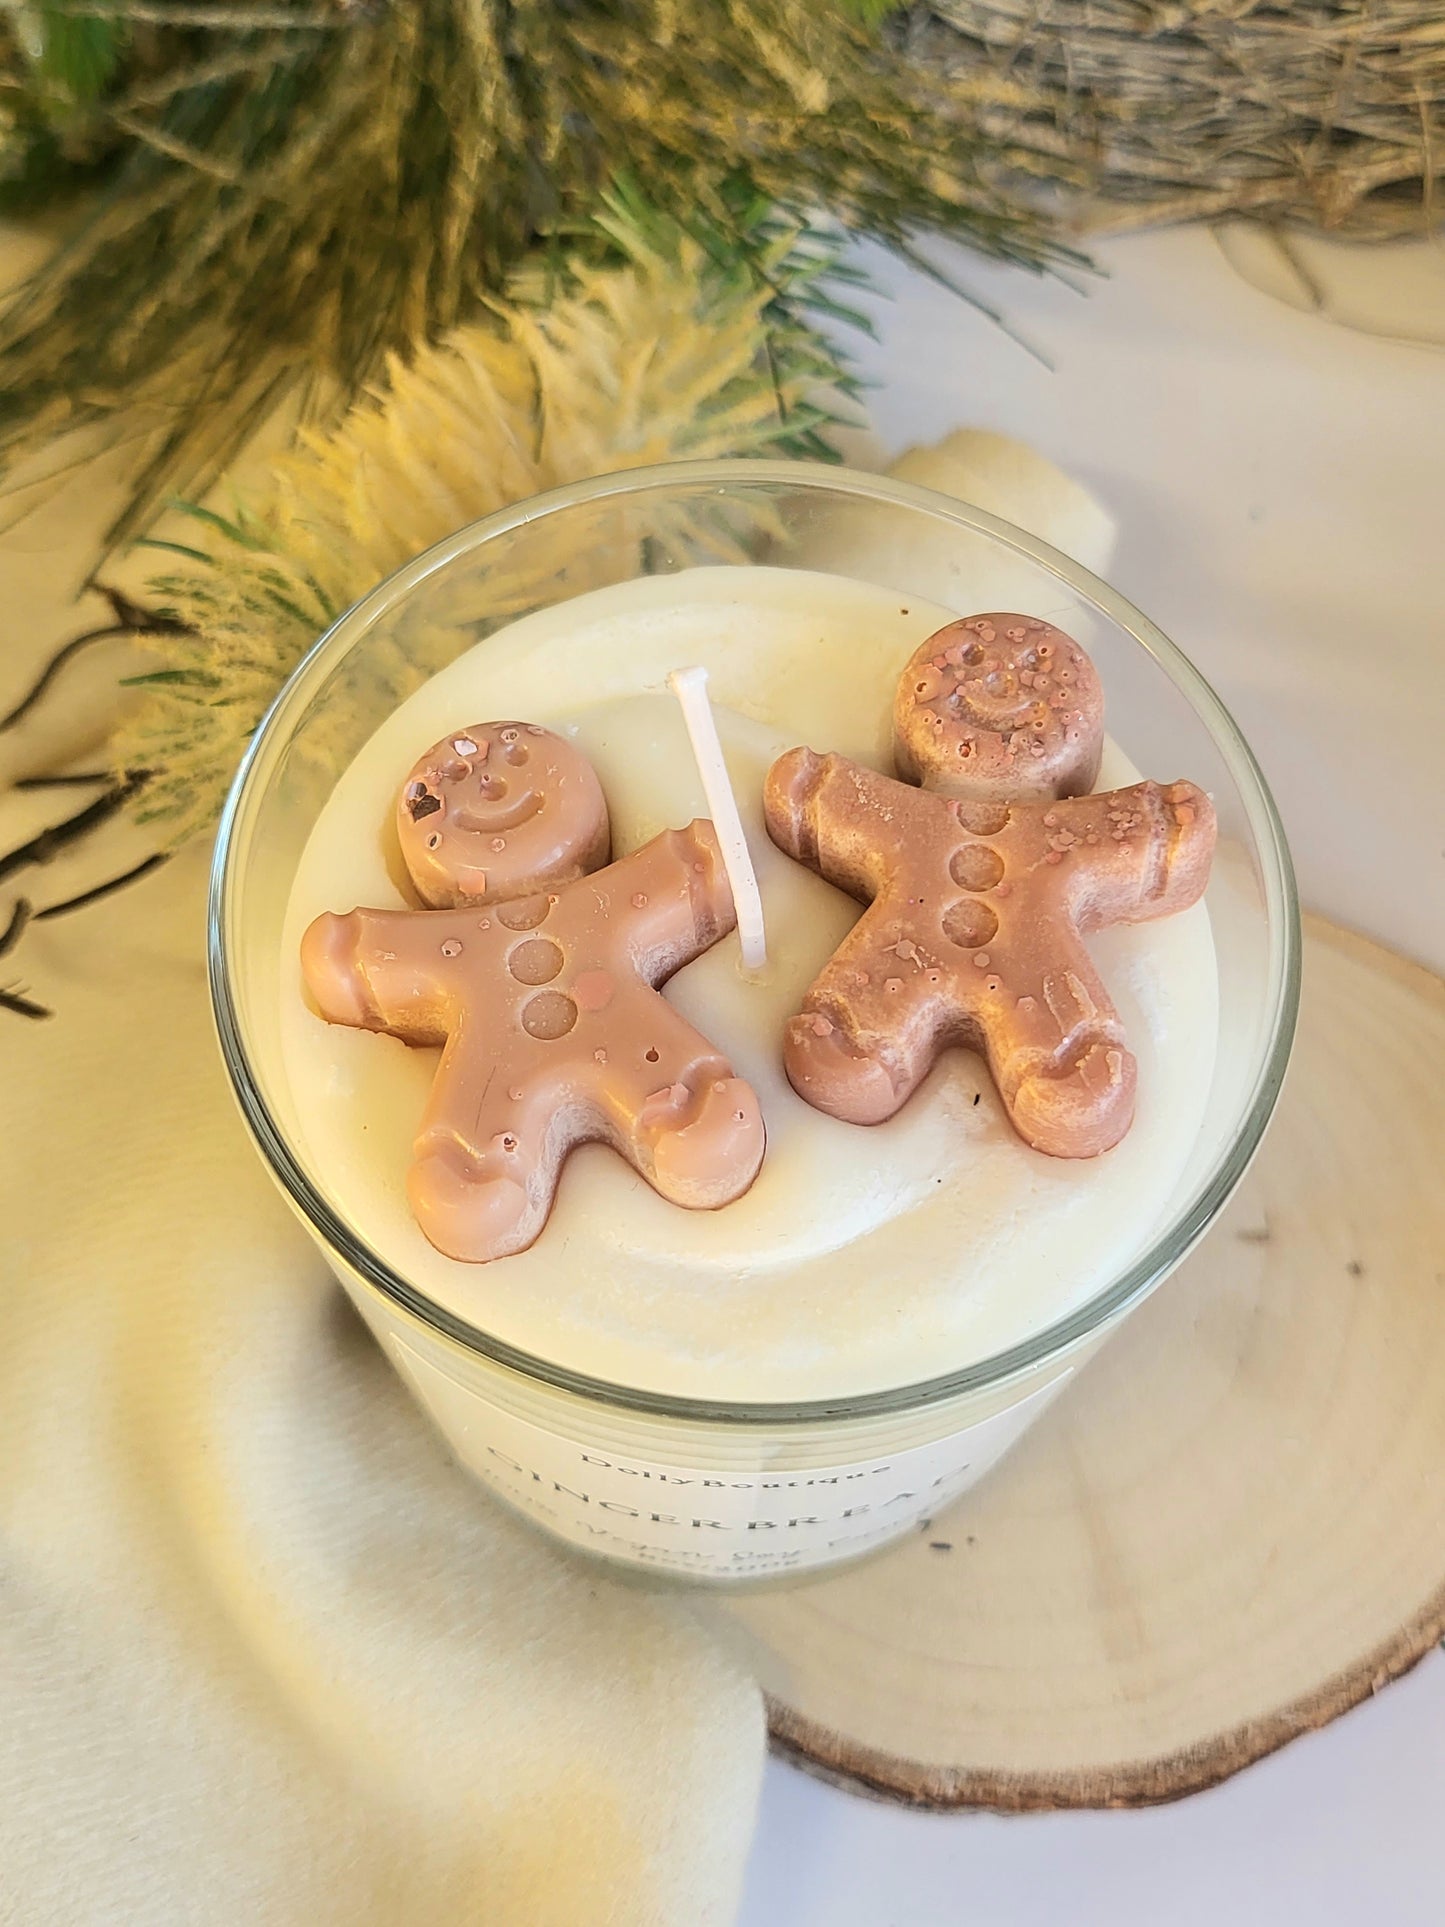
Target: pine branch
point(78, 779)
point(14, 930)
point(130, 620)
point(99, 891)
point(50, 842)
point(301, 192)
point(15, 999)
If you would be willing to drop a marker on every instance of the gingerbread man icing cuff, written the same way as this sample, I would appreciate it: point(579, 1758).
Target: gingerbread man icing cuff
point(982, 876)
point(536, 971)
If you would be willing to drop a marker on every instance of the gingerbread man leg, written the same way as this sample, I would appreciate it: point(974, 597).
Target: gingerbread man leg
point(676, 1111)
point(483, 1177)
point(865, 1038)
point(1058, 1056)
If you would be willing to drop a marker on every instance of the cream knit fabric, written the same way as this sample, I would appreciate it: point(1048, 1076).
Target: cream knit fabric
point(264, 1654)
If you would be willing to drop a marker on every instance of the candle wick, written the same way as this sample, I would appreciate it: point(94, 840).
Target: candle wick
point(690, 688)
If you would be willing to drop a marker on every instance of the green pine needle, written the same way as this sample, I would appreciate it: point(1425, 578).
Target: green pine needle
point(76, 57)
point(871, 12)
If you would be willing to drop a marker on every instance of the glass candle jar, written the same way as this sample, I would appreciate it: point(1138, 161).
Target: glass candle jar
point(725, 1492)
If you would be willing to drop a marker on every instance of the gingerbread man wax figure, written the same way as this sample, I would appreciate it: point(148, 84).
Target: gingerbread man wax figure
point(536, 970)
point(981, 886)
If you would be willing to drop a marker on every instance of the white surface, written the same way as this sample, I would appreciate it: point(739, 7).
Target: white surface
point(1279, 481)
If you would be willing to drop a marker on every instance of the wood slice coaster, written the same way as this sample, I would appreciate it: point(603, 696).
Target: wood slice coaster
point(1231, 1529)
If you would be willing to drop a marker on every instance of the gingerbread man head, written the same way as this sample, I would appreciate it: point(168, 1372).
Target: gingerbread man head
point(499, 809)
point(999, 707)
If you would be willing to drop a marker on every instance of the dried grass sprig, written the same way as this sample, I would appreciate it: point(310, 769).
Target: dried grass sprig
point(1325, 112)
point(305, 190)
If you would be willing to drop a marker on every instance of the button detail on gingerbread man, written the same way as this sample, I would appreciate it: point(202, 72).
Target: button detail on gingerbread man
point(981, 882)
point(536, 971)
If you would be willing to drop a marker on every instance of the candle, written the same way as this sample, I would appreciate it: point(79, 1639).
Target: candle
point(862, 1256)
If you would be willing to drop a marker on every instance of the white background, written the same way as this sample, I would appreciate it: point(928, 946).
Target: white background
point(1279, 480)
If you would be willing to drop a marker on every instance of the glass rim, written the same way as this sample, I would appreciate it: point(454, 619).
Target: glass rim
point(1171, 1244)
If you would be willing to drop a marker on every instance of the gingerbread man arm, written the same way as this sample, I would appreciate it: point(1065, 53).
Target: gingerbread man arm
point(671, 898)
point(1145, 851)
point(383, 970)
point(839, 817)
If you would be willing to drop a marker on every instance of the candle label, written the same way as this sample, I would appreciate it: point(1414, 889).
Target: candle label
point(730, 1523)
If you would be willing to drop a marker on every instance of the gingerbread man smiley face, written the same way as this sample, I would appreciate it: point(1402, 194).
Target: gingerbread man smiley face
point(498, 808)
point(999, 706)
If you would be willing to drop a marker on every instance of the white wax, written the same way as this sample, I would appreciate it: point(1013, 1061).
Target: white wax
point(862, 1257)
